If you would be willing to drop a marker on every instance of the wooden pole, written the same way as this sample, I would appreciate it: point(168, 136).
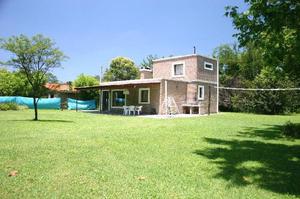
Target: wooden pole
point(76, 102)
point(209, 99)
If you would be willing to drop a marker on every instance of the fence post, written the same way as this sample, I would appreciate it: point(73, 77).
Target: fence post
point(76, 102)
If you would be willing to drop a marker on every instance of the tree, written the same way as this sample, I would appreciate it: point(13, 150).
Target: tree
point(268, 102)
point(121, 68)
point(34, 57)
point(86, 80)
point(13, 84)
point(273, 26)
point(228, 56)
point(51, 78)
point(147, 63)
point(8, 83)
point(238, 68)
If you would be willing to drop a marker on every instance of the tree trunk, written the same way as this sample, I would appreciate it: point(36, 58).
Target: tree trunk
point(35, 109)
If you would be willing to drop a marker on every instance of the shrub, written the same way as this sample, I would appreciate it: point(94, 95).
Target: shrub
point(4, 107)
point(22, 107)
point(11, 106)
point(291, 130)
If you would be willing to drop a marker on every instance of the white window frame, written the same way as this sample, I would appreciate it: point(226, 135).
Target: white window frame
point(140, 95)
point(202, 93)
point(183, 69)
point(111, 100)
point(208, 63)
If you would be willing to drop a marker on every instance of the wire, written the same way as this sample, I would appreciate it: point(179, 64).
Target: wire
point(260, 89)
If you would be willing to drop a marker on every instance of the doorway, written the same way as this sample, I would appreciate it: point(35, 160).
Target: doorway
point(105, 100)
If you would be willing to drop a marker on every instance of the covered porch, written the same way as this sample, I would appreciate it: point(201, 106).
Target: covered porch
point(115, 96)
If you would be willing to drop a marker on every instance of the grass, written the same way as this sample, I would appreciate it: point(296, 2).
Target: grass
point(82, 155)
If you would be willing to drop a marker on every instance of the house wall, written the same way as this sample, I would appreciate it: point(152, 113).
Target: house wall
point(163, 69)
point(187, 93)
point(194, 68)
point(192, 97)
point(175, 89)
point(204, 74)
point(133, 98)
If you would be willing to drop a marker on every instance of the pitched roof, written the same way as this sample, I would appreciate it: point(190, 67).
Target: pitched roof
point(58, 87)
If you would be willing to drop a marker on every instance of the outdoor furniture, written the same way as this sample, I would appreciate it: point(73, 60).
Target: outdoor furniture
point(138, 109)
point(131, 109)
point(125, 110)
point(191, 107)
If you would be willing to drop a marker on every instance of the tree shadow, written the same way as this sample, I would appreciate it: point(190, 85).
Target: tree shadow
point(50, 121)
point(270, 132)
point(274, 167)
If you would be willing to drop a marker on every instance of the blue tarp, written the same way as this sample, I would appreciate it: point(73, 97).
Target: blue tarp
point(8, 99)
point(43, 103)
point(81, 105)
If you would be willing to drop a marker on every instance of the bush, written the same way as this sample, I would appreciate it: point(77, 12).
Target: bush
point(291, 130)
point(4, 107)
point(22, 107)
point(268, 102)
point(11, 106)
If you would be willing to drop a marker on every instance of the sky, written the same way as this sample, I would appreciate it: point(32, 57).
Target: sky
point(93, 32)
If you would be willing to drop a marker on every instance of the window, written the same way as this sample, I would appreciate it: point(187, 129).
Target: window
point(144, 96)
point(208, 66)
point(178, 69)
point(118, 98)
point(200, 92)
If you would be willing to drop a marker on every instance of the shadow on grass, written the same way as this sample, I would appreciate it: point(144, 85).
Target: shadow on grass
point(274, 167)
point(37, 121)
point(271, 132)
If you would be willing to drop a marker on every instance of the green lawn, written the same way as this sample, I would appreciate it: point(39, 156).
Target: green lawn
point(75, 155)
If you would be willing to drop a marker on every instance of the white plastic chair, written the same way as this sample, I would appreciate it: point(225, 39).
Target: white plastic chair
point(138, 109)
point(125, 110)
point(131, 109)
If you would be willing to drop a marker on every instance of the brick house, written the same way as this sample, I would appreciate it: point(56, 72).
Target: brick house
point(61, 90)
point(181, 84)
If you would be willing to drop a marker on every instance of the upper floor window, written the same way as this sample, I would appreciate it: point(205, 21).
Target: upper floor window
point(208, 66)
point(178, 69)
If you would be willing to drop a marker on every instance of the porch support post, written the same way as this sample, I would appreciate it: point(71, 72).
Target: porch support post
point(100, 100)
point(166, 96)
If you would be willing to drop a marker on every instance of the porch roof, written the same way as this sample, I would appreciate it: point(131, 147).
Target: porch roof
point(121, 83)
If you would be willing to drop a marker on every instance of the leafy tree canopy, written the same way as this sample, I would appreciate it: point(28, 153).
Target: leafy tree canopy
point(147, 63)
point(86, 80)
point(273, 26)
point(34, 57)
point(121, 68)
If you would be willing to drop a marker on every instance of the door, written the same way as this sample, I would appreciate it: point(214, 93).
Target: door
point(105, 100)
